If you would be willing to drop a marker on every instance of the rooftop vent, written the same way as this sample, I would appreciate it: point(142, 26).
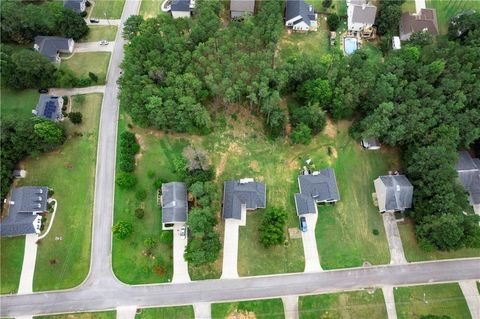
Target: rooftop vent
point(398, 188)
point(246, 180)
point(316, 173)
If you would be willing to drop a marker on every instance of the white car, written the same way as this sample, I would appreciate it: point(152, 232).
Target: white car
point(183, 232)
point(103, 42)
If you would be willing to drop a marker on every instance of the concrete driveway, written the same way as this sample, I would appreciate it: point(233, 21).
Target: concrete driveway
point(470, 292)
point(180, 266)
point(312, 261)
point(397, 256)
point(115, 22)
point(29, 257)
point(230, 249)
point(93, 47)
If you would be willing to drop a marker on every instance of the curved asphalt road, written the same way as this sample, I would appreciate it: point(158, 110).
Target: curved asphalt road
point(102, 291)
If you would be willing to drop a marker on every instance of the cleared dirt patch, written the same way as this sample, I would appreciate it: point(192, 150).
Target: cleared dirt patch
point(254, 165)
point(242, 315)
point(330, 128)
point(221, 166)
point(294, 233)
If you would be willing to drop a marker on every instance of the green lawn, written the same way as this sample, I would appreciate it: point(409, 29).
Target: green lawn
point(261, 309)
point(344, 231)
point(338, 6)
point(82, 315)
point(185, 312)
point(413, 252)
point(83, 63)
point(446, 299)
point(70, 171)
point(151, 8)
point(98, 33)
point(17, 103)
point(449, 8)
point(409, 6)
point(357, 304)
point(112, 8)
point(11, 260)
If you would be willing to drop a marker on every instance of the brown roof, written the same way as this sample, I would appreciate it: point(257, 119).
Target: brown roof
point(425, 20)
point(242, 5)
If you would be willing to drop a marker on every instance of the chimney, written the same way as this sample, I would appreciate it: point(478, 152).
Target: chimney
point(12, 203)
point(364, 5)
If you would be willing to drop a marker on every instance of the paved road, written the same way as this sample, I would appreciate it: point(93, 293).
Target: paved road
point(110, 295)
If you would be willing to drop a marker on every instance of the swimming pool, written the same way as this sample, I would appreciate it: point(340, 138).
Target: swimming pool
point(349, 45)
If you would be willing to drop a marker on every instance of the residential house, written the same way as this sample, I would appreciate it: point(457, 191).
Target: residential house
point(300, 16)
point(182, 8)
point(49, 107)
point(24, 211)
point(371, 143)
point(78, 6)
point(318, 187)
point(240, 8)
point(394, 193)
point(174, 204)
point(468, 169)
point(425, 20)
point(361, 17)
point(242, 195)
point(51, 47)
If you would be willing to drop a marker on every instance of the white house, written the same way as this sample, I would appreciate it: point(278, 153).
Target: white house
point(300, 16)
point(361, 16)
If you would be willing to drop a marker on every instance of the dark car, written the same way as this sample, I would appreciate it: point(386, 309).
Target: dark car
point(94, 20)
point(43, 90)
point(303, 224)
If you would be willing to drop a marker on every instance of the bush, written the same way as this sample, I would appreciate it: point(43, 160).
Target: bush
point(375, 232)
point(149, 243)
point(88, 4)
point(158, 183)
point(51, 192)
point(93, 77)
point(326, 3)
point(166, 237)
point(141, 194)
point(301, 134)
point(126, 180)
point(65, 100)
point(272, 228)
point(126, 163)
point(139, 213)
point(83, 14)
point(333, 21)
point(122, 229)
point(75, 117)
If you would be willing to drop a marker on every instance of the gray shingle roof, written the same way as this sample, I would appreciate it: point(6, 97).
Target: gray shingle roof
point(468, 169)
point(180, 5)
point(426, 20)
point(25, 202)
point(242, 5)
point(299, 8)
point(49, 107)
point(399, 192)
point(322, 186)
point(75, 5)
point(237, 193)
point(364, 13)
point(174, 203)
point(305, 204)
point(50, 46)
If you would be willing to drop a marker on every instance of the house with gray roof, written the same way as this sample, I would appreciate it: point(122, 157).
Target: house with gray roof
point(300, 16)
point(394, 193)
point(242, 195)
point(51, 47)
point(468, 170)
point(174, 204)
point(49, 107)
point(361, 16)
point(240, 8)
point(24, 209)
point(78, 6)
point(424, 21)
point(182, 8)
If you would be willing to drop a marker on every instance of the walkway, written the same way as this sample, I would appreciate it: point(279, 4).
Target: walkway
point(419, 5)
point(202, 310)
point(389, 302)
point(312, 261)
point(397, 256)
point(230, 249)
point(470, 292)
point(28, 268)
point(290, 307)
point(126, 312)
point(180, 266)
point(93, 47)
point(77, 91)
point(50, 223)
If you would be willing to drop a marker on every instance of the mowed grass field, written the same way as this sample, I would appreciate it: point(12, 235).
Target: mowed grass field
point(151, 8)
point(356, 304)
point(259, 309)
point(83, 63)
point(70, 172)
point(11, 259)
point(83, 315)
point(446, 9)
point(17, 103)
point(185, 312)
point(112, 8)
point(98, 33)
point(440, 300)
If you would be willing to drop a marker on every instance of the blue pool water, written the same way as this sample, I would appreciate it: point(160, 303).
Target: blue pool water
point(350, 45)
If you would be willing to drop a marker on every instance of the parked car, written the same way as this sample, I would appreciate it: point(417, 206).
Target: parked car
point(103, 42)
point(183, 232)
point(303, 224)
point(43, 90)
point(94, 20)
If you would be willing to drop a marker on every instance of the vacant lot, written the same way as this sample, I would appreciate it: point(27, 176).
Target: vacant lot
point(98, 33)
point(446, 299)
point(357, 304)
point(84, 315)
point(151, 8)
point(413, 252)
point(260, 309)
point(70, 171)
point(111, 9)
point(17, 103)
point(11, 260)
point(83, 63)
point(185, 312)
point(446, 9)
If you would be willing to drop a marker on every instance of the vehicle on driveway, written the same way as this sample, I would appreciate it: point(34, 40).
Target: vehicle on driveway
point(183, 232)
point(303, 224)
point(104, 42)
point(94, 20)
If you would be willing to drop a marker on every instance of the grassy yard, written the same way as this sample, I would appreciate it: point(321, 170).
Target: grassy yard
point(70, 171)
point(357, 304)
point(98, 33)
point(11, 260)
point(83, 63)
point(185, 312)
point(261, 309)
point(449, 8)
point(82, 315)
point(17, 103)
point(446, 299)
point(344, 231)
point(338, 6)
point(409, 6)
point(413, 252)
point(112, 8)
point(151, 8)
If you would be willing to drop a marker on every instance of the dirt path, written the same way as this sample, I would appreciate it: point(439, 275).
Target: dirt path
point(221, 165)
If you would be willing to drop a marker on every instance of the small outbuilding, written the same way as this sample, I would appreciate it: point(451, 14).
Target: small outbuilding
point(174, 204)
point(394, 193)
point(242, 195)
point(371, 143)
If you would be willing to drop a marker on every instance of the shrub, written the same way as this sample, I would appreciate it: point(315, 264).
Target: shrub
point(75, 117)
point(83, 14)
point(158, 183)
point(272, 228)
point(65, 100)
point(151, 174)
point(51, 192)
point(93, 77)
point(166, 237)
point(375, 232)
point(122, 229)
point(301, 134)
point(149, 243)
point(127, 163)
point(126, 180)
point(326, 3)
point(141, 194)
point(333, 21)
point(139, 213)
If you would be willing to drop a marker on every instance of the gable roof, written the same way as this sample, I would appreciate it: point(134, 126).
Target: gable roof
point(468, 169)
point(243, 192)
point(242, 5)
point(298, 8)
point(321, 185)
point(75, 5)
point(50, 46)
point(363, 13)
point(25, 202)
point(305, 204)
point(49, 107)
point(398, 192)
point(180, 5)
point(174, 202)
point(425, 20)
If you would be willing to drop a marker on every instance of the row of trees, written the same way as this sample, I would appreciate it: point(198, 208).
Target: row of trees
point(128, 147)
